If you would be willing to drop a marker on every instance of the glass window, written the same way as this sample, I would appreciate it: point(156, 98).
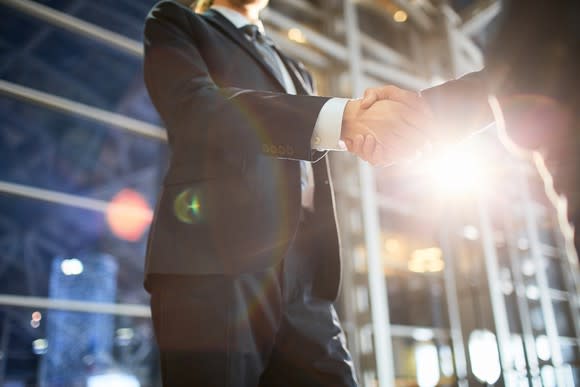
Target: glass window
point(52, 60)
point(564, 321)
point(66, 348)
point(555, 274)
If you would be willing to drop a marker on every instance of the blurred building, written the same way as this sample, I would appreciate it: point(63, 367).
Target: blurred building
point(79, 343)
point(456, 271)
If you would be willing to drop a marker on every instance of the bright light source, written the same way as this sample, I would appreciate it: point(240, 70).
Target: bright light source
point(471, 233)
point(548, 376)
point(36, 316)
point(296, 35)
point(113, 380)
point(484, 356)
point(400, 16)
point(456, 171)
point(528, 267)
point(543, 347)
point(422, 334)
point(129, 215)
point(427, 360)
point(446, 360)
point(426, 260)
point(393, 246)
point(124, 336)
point(40, 346)
point(533, 292)
point(507, 288)
point(71, 266)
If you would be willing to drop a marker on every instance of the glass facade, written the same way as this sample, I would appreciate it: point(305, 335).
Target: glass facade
point(78, 137)
point(480, 288)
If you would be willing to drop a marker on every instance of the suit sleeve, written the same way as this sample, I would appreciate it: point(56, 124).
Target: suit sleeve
point(202, 117)
point(461, 106)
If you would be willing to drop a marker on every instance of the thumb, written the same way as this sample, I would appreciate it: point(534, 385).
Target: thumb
point(369, 98)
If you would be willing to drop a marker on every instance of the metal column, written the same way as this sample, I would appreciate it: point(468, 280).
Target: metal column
point(456, 331)
point(495, 292)
point(377, 283)
point(541, 279)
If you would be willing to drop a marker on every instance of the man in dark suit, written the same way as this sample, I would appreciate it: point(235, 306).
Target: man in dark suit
point(243, 260)
point(532, 70)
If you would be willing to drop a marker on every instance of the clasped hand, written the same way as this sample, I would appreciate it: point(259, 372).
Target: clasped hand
point(388, 125)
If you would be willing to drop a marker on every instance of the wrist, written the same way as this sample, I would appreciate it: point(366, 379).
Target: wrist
point(349, 119)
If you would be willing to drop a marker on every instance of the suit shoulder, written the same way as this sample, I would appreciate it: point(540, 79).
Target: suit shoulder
point(171, 15)
point(169, 9)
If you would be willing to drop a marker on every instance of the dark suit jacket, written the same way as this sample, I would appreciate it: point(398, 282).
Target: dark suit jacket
point(230, 202)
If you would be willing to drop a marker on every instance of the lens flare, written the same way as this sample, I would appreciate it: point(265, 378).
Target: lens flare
point(187, 207)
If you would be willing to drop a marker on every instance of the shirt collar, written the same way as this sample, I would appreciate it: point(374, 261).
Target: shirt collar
point(236, 18)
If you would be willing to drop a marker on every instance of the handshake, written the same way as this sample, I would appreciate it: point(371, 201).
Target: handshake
point(388, 125)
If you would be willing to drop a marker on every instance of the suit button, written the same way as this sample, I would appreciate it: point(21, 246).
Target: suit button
point(326, 182)
point(316, 140)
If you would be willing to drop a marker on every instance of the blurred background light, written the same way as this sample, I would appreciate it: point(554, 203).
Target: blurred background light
point(446, 356)
point(400, 16)
point(114, 379)
point(40, 346)
point(129, 215)
point(457, 170)
point(427, 361)
point(36, 316)
point(471, 232)
point(484, 356)
point(428, 260)
point(548, 376)
point(543, 347)
point(71, 266)
point(422, 334)
point(124, 336)
point(296, 35)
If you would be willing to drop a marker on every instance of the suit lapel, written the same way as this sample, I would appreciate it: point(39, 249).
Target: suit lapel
point(225, 26)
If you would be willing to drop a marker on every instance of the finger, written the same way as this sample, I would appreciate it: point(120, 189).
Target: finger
point(357, 146)
point(348, 142)
point(369, 146)
point(369, 98)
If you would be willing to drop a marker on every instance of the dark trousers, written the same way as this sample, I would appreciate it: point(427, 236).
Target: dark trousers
point(256, 329)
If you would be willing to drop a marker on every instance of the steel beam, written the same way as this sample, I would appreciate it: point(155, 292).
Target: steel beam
point(71, 23)
point(132, 310)
point(95, 114)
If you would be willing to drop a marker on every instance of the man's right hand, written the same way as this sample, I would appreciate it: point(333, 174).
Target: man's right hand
point(387, 126)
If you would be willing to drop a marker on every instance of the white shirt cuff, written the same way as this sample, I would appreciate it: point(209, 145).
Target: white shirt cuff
point(326, 134)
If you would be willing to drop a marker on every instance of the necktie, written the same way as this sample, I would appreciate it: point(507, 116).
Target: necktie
point(266, 48)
